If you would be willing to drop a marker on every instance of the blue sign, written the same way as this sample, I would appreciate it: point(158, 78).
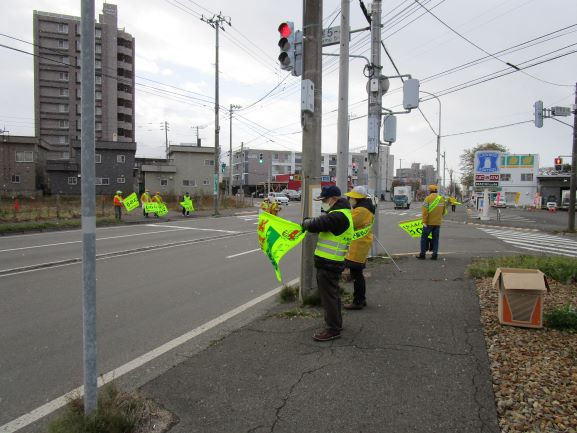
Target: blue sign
point(487, 161)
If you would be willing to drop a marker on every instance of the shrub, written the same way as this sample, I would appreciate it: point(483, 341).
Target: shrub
point(564, 317)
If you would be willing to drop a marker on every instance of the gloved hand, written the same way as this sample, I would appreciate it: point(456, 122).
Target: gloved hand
point(424, 226)
point(305, 224)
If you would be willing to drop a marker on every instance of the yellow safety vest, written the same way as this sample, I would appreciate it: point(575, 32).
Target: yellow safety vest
point(333, 247)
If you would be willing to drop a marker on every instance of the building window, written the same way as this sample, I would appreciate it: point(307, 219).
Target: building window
point(98, 49)
point(98, 33)
point(163, 182)
point(62, 28)
point(98, 126)
point(121, 159)
point(65, 60)
point(120, 180)
point(185, 182)
point(63, 124)
point(15, 178)
point(98, 64)
point(63, 139)
point(209, 162)
point(72, 180)
point(98, 79)
point(63, 76)
point(526, 177)
point(25, 156)
point(506, 176)
point(63, 108)
point(99, 111)
point(98, 158)
point(99, 96)
point(102, 181)
point(205, 182)
point(63, 92)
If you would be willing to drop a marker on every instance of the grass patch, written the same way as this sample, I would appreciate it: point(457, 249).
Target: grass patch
point(299, 313)
point(313, 300)
point(289, 294)
point(562, 269)
point(27, 226)
point(564, 318)
point(117, 412)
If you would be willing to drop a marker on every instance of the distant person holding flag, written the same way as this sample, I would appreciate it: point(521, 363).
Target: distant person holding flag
point(118, 205)
point(157, 199)
point(186, 204)
point(363, 214)
point(145, 198)
point(433, 211)
point(335, 229)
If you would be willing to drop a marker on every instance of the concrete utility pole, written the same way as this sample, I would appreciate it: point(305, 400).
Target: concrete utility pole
point(451, 183)
point(164, 127)
point(444, 163)
point(374, 115)
point(232, 107)
point(197, 134)
point(343, 124)
point(88, 171)
point(438, 140)
point(311, 125)
point(216, 22)
point(573, 184)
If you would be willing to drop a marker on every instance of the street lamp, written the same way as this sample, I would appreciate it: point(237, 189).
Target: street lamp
point(438, 139)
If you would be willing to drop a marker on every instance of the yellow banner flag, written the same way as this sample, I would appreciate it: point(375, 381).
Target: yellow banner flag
point(276, 237)
point(187, 205)
point(130, 202)
point(414, 228)
point(162, 209)
point(151, 207)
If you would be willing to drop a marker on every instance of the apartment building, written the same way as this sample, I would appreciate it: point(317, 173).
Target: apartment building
point(57, 89)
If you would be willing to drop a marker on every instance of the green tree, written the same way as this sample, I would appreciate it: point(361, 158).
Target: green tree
point(468, 161)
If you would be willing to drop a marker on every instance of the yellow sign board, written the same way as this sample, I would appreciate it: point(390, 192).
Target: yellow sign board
point(130, 202)
point(162, 209)
point(414, 228)
point(187, 205)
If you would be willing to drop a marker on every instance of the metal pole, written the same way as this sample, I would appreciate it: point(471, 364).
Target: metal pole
point(166, 138)
point(343, 124)
point(438, 182)
point(311, 136)
point(374, 115)
point(242, 167)
point(216, 128)
point(230, 155)
point(87, 169)
point(444, 164)
point(573, 184)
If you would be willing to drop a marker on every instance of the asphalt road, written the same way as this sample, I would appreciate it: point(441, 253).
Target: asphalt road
point(155, 282)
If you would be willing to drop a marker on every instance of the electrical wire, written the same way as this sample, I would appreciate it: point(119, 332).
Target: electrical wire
point(487, 129)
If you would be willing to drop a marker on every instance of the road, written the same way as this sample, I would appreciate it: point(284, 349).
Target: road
point(155, 282)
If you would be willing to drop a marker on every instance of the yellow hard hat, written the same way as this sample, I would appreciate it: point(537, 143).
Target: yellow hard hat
point(433, 188)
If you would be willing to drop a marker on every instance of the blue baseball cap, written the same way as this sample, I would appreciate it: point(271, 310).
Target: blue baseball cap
point(329, 191)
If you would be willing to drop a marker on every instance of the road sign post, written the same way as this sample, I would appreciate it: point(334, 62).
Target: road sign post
point(487, 174)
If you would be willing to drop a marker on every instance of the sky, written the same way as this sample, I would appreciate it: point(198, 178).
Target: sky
point(175, 54)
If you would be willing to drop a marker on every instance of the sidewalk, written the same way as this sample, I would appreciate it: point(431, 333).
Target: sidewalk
point(414, 360)
point(136, 217)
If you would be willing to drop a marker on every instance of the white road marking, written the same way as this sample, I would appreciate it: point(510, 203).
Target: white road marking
point(196, 228)
point(61, 401)
point(242, 254)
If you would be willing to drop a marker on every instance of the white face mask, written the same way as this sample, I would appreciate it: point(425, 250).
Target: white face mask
point(353, 202)
point(326, 206)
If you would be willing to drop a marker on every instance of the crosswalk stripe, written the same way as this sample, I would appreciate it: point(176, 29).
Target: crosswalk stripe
point(539, 242)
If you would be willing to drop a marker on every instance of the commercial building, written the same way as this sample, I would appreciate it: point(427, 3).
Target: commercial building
point(518, 178)
point(57, 80)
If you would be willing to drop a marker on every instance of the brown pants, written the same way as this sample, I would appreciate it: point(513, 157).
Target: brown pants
point(328, 283)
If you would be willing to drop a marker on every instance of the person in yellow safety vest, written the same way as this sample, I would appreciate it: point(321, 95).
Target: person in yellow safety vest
point(145, 198)
point(272, 207)
point(185, 197)
point(433, 210)
point(118, 205)
point(453, 202)
point(363, 214)
point(157, 199)
point(335, 229)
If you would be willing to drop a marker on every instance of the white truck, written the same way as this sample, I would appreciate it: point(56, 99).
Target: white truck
point(565, 199)
point(402, 197)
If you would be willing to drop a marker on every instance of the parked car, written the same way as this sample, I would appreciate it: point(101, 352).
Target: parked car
point(500, 203)
point(291, 194)
point(279, 197)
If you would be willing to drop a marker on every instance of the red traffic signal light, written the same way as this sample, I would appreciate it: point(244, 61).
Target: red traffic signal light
point(558, 161)
point(285, 30)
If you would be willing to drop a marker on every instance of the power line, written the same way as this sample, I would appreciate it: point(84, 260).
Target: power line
point(488, 129)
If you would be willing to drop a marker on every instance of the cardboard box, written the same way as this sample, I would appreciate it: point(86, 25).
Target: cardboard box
point(521, 295)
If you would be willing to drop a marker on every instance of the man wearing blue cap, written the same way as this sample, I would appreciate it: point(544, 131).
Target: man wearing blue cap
point(335, 229)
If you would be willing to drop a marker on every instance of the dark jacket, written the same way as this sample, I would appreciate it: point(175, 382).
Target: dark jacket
point(336, 223)
point(366, 203)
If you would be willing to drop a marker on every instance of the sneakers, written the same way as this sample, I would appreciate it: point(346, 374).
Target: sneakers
point(421, 257)
point(433, 257)
point(355, 305)
point(326, 335)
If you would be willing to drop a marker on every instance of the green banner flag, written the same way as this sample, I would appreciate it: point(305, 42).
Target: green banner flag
point(130, 202)
point(414, 228)
point(162, 209)
point(276, 237)
point(187, 205)
point(151, 207)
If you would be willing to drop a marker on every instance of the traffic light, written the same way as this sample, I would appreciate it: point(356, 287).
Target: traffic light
point(260, 161)
point(558, 164)
point(290, 44)
point(222, 167)
point(538, 114)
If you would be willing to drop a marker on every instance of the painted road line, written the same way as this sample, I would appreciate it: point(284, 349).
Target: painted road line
point(57, 403)
point(195, 228)
point(242, 254)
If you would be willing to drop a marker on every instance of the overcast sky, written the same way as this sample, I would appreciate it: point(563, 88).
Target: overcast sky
point(174, 47)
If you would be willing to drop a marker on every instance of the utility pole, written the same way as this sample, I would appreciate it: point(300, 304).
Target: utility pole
point(374, 115)
point(573, 184)
point(87, 168)
point(232, 107)
point(242, 167)
point(343, 124)
point(216, 22)
point(165, 127)
point(451, 192)
point(443, 189)
point(311, 135)
point(197, 134)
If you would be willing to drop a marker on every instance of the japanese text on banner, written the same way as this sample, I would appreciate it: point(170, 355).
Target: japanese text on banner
point(414, 228)
point(187, 205)
point(130, 202)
